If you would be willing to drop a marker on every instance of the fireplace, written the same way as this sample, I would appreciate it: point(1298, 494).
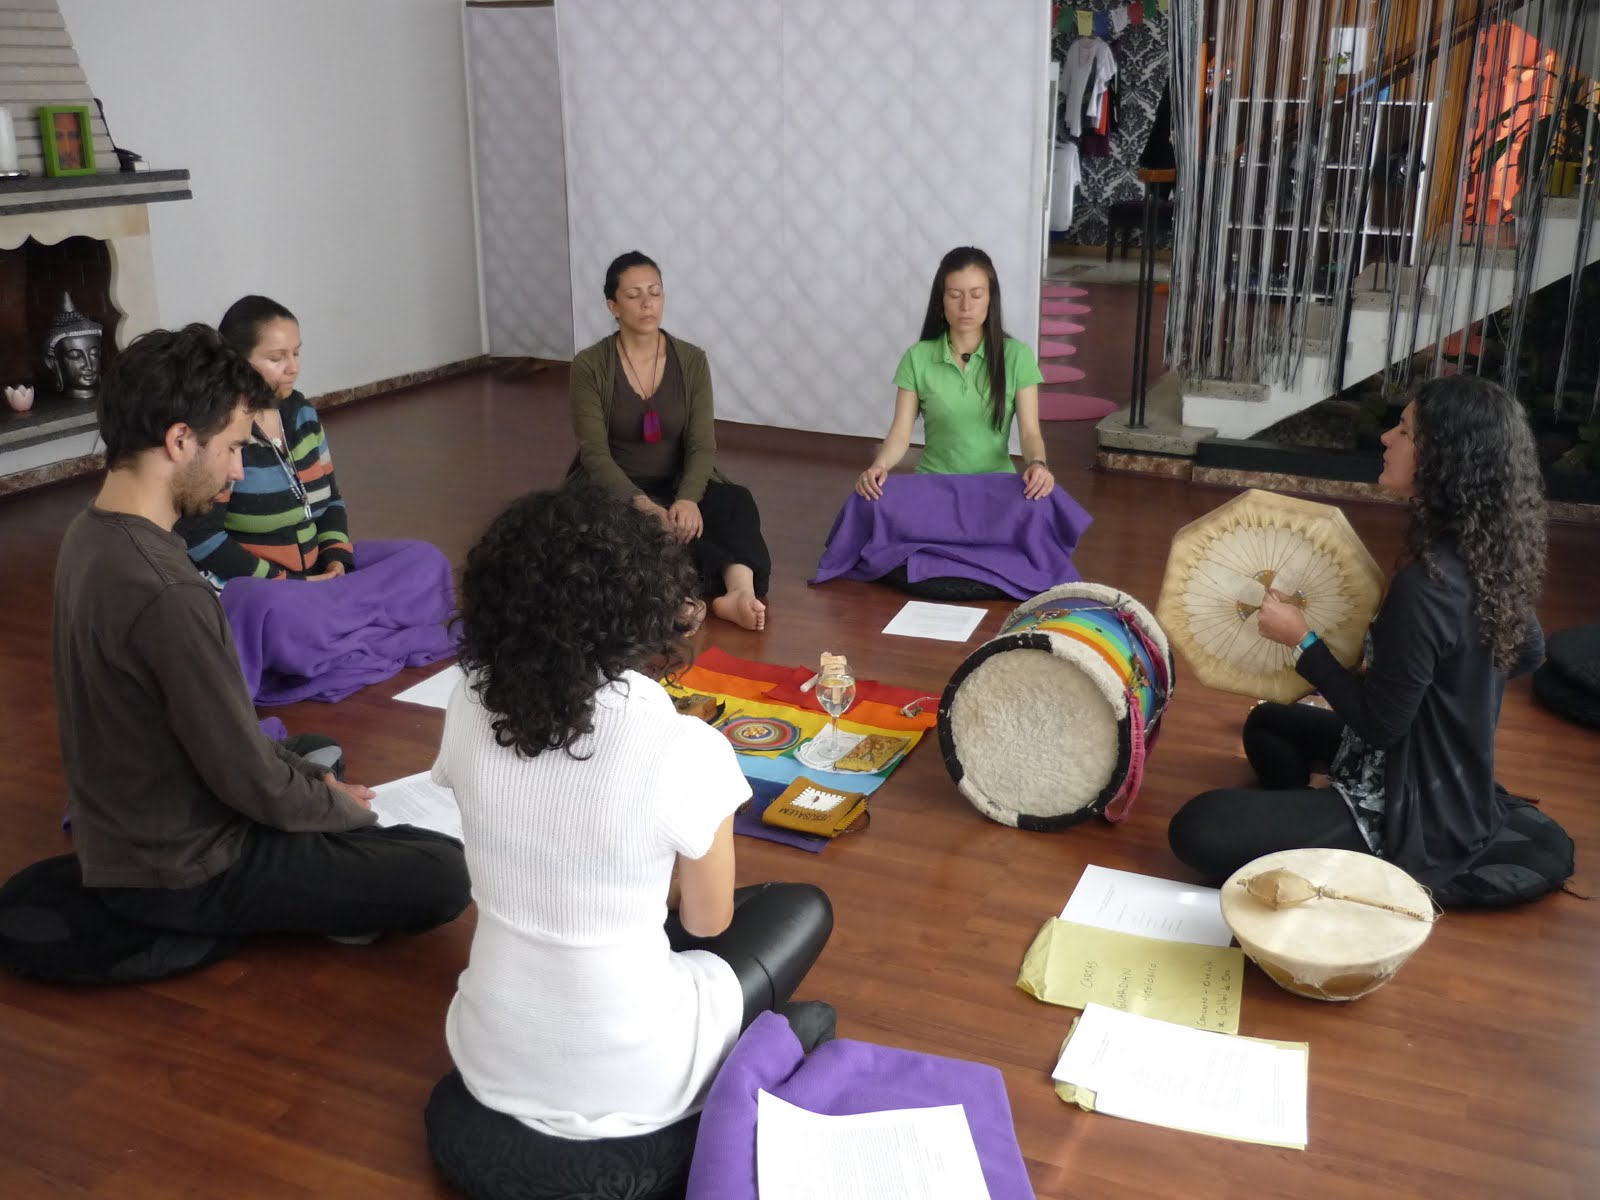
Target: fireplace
point(90, 238)
point(33, 278)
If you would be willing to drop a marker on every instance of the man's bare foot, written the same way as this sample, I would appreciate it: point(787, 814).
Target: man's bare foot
point(742, 608)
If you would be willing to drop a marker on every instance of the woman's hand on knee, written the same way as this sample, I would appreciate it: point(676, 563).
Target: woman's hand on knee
point(869, 484)
point(684, 520)
point(1037, 481)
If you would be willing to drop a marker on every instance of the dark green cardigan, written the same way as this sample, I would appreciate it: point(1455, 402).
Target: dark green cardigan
point(592, 386)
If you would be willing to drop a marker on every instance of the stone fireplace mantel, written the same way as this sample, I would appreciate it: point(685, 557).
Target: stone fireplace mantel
point(110, 208)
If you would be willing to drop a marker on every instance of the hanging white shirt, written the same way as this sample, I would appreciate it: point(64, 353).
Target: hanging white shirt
point(574, 1015)
point(1085, 73)
point(1064, 186)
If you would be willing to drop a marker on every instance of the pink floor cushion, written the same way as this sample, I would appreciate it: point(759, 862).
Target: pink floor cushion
point(1050, 349)
point(1071, 406)
point(1063, 308)
point(1064, 291)
point(1059, 327)
point(1055, 372)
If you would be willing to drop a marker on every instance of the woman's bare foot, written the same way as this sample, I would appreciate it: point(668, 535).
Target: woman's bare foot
point(742, 608)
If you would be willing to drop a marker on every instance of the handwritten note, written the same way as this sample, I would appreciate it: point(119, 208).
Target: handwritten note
point(1076, 965)
point(1143, 1070)
point(1148, 906)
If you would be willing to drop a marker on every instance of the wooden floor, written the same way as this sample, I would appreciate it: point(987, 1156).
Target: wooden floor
point(300, 1068)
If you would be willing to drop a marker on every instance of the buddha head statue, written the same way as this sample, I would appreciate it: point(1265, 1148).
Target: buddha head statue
point(72, 352)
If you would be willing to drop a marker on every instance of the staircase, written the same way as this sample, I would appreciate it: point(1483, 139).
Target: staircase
point(1241, 410)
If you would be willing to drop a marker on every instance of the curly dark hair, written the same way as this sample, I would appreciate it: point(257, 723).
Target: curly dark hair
point(167, 377)
point(1478, 488)
point(565, 591)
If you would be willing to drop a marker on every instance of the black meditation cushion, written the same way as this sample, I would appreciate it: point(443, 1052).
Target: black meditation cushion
point(1530, 857)
point(1556, 690)
point(55, 929)
point(1575, 653)
point(943, 587)
point(489, 1155)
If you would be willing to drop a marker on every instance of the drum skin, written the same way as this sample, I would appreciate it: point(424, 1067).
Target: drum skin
point(1328, 949)
point(1036, 726)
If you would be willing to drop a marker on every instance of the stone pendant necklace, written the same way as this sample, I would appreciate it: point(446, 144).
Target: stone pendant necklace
point(651, 431)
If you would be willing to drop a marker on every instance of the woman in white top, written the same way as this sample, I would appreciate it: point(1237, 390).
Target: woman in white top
point(590, 809)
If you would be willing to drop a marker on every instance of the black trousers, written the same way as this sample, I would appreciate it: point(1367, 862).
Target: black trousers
point(731, 534)
point(398, 879)
point(1217, 832)
point(777, 933)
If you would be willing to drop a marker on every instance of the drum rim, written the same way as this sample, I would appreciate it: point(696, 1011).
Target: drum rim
point(1114, 598)
point(1079, 655)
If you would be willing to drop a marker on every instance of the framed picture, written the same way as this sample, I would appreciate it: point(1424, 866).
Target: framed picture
point(68, 140)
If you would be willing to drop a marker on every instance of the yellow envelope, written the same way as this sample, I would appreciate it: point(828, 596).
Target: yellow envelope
point(1073, 965)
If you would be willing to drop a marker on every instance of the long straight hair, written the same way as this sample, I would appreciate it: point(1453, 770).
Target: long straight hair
point(934, 325)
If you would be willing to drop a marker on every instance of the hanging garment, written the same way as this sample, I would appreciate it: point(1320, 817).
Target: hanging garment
point(1085, 72)
point(1099, 98)
point(1064, 186)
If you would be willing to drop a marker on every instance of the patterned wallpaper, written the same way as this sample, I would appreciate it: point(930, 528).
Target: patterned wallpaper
point(1142, 71)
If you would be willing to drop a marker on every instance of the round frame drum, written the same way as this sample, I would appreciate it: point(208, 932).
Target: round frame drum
point(1049, 722)
point(1330, 949)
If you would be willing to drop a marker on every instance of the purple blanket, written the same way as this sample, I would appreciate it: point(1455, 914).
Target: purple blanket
point(325, 640)
point(841, 1078)
point(975, 527)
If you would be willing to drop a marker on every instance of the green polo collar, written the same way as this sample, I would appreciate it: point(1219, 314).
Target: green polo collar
point(954, 360)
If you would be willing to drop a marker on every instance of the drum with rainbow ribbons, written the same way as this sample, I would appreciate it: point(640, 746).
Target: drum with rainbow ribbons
point(1050, 721)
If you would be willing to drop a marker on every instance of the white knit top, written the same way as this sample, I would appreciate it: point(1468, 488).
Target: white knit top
point(574, 1015)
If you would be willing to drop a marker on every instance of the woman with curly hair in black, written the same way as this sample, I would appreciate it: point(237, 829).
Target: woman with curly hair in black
point(1408, 745)
point(614, 963)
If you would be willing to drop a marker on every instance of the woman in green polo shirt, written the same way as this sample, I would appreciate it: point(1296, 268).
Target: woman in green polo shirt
point(965, 392)
point(962, 526)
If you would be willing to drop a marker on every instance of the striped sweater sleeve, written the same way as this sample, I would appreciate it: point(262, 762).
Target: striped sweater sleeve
point(219, 556)
point(314, 464)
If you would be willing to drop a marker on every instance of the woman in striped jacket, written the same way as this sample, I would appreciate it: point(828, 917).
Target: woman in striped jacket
point(285, 524)
point(285, 517)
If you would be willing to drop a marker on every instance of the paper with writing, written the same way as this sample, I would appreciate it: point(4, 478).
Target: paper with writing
point(943, 622)
point(1148, 906)
point(1129, 1066)
point(902, 1154)
point(417, 800)
point(1075, 965)
point(435, 690)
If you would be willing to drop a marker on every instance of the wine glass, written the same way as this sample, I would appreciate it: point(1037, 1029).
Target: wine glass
point(836, 692)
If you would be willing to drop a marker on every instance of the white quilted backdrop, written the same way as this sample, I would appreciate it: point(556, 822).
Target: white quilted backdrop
point(521, 181)
point(798, 167)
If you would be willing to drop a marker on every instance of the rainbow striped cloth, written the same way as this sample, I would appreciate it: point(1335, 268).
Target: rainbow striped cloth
point(770, 722)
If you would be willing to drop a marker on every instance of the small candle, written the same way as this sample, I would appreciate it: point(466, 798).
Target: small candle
point(8, 142)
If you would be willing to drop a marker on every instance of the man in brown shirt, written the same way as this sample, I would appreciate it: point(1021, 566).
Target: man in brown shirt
point(184, 815)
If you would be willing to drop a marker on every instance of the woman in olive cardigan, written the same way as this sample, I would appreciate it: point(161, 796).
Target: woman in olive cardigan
point(641, 410)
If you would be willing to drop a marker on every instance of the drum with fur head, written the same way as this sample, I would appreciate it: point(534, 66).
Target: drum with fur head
point(1050, 721)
